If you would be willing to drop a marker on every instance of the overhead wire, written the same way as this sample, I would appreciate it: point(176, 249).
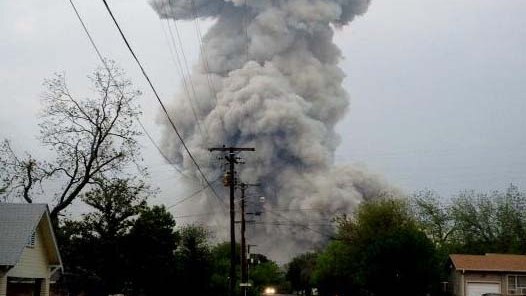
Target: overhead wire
point(159, 149)
point(149, 82)
point(165, 111)
point(204, 57)
point(188, 72)
point(309, 222)
point(185, 60)
point(182, 200)
point(298, 224)
point(186, 80)
point(104, 63)
point(196, 215)
point(245, 27)
point(286, 223)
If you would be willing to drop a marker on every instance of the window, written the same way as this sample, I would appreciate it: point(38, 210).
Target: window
point(31, 240)
point(517, 284)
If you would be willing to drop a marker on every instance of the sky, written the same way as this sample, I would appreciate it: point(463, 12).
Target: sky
point(437, 86)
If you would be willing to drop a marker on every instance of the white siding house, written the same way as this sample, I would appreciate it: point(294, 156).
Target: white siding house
point(28, 250)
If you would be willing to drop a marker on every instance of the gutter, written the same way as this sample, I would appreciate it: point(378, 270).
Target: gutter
point(55, 268)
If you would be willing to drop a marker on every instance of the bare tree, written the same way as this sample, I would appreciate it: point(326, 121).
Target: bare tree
point(90, 137)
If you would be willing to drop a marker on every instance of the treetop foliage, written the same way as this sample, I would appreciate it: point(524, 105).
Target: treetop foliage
point(475, 223)
point(380, 242)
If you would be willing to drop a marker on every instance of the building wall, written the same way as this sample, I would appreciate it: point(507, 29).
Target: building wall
point(485, 277)
point(3, 284)
point(459, 280)
point(456, 282)
point(34, 261)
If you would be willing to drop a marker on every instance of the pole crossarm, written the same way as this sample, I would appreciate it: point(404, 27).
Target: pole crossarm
point(230, 149)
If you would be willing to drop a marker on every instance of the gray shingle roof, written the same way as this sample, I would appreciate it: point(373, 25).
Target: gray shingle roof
point(17, 223)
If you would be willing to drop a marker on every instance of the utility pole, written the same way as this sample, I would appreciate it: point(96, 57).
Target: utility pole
point(230, 182)
point(244, 261)
point(248, 257)
point(244, 270)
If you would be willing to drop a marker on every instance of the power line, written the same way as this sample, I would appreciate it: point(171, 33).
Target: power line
point(103, 61)
point(89, 36)
point(245, 27)
point(212, 90)
point(202, 49)
point(165, 111)
point(297, 209)
point(188, 73)
point(204, 56)
point(183, 75)
point(185, 61)
point(197, 215)
point(182, 200)
point(159, 149)
point(286, 223)
point(175, 57)
point(299, 225)
point(308, 222)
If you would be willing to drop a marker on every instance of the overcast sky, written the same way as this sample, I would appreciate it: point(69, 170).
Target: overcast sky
point(438, 86)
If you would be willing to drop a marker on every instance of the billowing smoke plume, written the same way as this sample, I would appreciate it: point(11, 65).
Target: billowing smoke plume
point(274, 68)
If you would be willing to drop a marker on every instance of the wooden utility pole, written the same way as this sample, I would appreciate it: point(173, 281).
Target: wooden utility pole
point(248, 258)
point(230, 181)
point(244, 261)
point(244, 269)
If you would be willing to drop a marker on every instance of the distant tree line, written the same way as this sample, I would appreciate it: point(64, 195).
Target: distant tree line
point(400, 246)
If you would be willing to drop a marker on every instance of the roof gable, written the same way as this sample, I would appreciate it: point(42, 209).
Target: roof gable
point(17, 223)
point(489, 262)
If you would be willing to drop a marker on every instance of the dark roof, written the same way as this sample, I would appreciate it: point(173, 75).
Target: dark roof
point(17, 224)
point(489, 262)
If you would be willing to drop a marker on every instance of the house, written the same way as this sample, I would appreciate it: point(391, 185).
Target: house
point(29, 254)
point(475, 275)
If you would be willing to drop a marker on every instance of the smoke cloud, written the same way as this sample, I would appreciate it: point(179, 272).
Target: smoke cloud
point(271, 81)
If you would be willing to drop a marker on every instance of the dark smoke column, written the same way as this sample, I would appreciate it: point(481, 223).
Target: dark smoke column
point(283, 97)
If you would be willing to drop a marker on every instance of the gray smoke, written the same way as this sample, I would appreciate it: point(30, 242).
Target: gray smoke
point(274, 68)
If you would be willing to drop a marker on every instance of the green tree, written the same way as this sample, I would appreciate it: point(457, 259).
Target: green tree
point(264, 275)
point(95, 245)
point(335, 270)
point(379, 251)
point(475, 223)
point(115, 202)
point(300, 271)
point(194, 261)
point(150, 252)
point(434, 216)
point(79, 248)
point(220, 260)
point(220, 269)
point(490, 223)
